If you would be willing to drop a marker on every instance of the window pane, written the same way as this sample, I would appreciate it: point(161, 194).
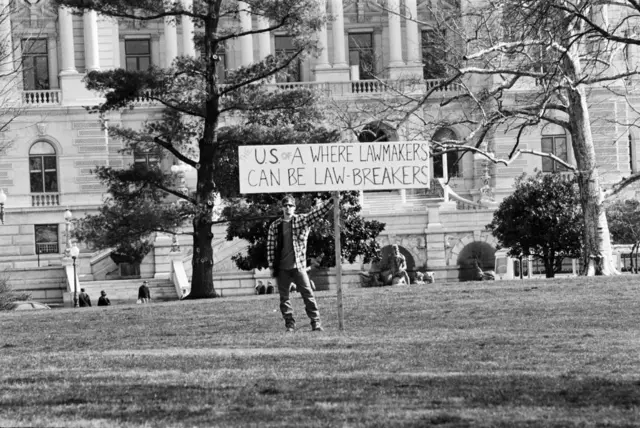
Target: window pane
point(144, 63)
point(452, 164)
point(561, 148)
point(137, 47)
point(49, 163)
point(50, 181)
point(46, 233)
point(283, 43)
point(547, 147)
point(437, 164)
point(561, 152)
point(36, 182)
point(360, 41)
point(34, 46)
point(35, 164)
point(132, 64)
point(29, 74)
point(42, 73)
point(361, 53)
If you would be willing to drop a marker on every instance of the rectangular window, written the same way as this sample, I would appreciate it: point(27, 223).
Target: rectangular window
point(43, 174)
point(284, 46)
point(556, 145)
point(35, 64)
point(137, 54)
point(361, 53)
point(46, 238)
point(433, 54)
point(149, 158)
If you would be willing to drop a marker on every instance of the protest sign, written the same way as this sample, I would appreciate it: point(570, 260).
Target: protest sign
point(334, 167)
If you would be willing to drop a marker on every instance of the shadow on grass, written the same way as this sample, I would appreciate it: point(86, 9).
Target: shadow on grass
point(418, 399)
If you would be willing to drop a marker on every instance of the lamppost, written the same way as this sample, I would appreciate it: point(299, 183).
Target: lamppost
point(67, 218)
point(75, 251)
point(3, 199)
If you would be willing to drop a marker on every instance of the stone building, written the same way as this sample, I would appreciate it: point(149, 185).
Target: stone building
point(55, 142)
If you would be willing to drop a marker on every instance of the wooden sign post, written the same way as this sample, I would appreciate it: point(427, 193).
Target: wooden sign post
point(336, 237)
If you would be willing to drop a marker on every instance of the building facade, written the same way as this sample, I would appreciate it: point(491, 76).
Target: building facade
point(54, 143)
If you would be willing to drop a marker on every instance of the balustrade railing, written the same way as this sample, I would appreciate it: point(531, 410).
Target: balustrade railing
point(369, 87)
point(42, 97)
point(45, 199)
point(330, 89)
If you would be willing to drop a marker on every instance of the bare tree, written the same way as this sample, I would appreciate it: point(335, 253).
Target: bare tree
point(521, 64)
point(11, 105)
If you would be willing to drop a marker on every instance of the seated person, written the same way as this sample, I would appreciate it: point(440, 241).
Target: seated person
point(395, 271)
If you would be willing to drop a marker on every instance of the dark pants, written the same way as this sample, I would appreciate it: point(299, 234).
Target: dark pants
point(303, 285)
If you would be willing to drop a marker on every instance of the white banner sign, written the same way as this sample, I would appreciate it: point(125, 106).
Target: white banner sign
point(334, 167)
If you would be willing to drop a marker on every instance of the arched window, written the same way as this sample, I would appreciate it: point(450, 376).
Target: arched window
point(453, 165)
point(377, 132)
point(43, 170)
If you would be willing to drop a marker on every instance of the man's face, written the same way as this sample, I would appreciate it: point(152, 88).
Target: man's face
point(288, 208)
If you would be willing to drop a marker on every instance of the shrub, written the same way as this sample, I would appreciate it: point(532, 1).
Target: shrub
point(7, 295)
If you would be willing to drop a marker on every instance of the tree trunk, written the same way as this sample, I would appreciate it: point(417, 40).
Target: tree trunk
point(597, 251)
point(549, 267)
point(202, 261)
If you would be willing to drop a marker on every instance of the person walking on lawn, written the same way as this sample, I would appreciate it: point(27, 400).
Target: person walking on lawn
point(287, 258)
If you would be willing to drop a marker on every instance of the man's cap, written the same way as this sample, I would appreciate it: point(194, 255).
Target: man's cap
point(145, 282)
point(288, 199)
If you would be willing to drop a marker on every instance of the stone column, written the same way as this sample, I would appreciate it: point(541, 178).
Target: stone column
point(339, 59)
point(6, 40)
point(188, 46)
point(264, 39)
point(412, 35)
point(170, 41)
point(395, 35)
point(65, 24)
point(246, 42)
point(323, 59)
point(91, 47)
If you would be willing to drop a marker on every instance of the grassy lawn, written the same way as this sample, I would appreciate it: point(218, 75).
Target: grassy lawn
point(557, 353)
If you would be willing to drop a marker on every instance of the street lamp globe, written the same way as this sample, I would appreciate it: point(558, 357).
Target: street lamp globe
point(68, 215)
point(74, 251)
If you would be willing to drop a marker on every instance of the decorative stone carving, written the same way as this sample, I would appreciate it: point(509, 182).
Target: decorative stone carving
point(42, 128)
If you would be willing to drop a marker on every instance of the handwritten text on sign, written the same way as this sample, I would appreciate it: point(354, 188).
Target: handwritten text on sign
point(332, 167)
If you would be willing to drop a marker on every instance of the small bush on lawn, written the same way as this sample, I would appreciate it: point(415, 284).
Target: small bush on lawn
point(7, 295)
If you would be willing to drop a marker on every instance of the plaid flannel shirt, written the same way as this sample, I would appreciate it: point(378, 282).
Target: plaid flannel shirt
point(300, 227)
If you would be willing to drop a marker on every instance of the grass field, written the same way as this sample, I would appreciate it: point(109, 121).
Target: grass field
point(563, 353)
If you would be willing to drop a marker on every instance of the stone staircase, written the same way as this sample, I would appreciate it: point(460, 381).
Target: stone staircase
point(126, 290)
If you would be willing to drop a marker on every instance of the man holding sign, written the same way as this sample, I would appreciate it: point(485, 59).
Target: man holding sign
point(287, 257)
